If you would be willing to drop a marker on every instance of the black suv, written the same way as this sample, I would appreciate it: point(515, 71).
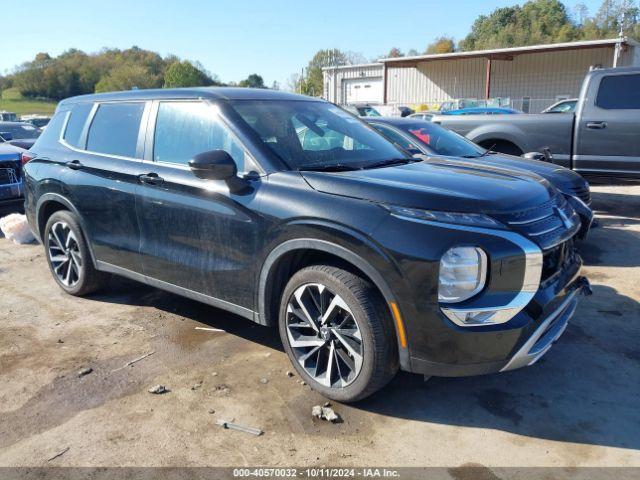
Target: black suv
point(290, 211)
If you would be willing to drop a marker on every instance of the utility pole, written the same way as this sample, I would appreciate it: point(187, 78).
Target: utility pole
point(618, 51)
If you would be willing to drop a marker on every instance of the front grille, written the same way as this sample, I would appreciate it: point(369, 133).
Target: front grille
point(554, 259)
point(8, 176)
point(583, 193)
point(548, 225)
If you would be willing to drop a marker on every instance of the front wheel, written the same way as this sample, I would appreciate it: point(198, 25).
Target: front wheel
point(337, 332)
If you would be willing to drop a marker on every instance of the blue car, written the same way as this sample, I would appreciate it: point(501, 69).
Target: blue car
point(11, 188)
point(482, 111)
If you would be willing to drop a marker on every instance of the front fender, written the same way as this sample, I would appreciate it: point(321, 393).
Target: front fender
point(354, 248)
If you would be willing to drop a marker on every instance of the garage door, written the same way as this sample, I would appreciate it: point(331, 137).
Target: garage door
point(363, 90)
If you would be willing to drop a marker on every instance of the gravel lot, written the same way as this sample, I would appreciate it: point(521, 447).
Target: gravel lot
point(577, 407)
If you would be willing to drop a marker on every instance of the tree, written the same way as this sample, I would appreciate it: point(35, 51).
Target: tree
point(184, 74)
point(126, 77)
point(253, 81)
point(394, 53)
point(412, 53)
point(537, 21)
point(441, 45)
point(313, 82)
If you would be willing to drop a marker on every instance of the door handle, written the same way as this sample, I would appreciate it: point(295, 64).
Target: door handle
point(151, 179)
point(74, 165)
point(596, 125)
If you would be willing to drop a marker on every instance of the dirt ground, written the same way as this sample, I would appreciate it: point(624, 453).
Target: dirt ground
point(577, 407)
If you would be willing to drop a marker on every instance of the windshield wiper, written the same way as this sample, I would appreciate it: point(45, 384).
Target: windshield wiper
point(393, 161)
point(335, 167)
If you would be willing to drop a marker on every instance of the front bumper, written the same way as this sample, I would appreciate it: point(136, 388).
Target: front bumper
point(533, 340)
point(551, 328)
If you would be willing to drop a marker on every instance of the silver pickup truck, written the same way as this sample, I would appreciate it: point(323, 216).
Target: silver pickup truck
point(602, 138)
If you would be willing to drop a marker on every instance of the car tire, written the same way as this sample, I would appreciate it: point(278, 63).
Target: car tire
point(68, 256)
point(351, 352)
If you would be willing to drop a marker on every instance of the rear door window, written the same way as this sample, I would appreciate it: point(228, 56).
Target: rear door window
point(114, 129)
point(619, 92)
point(75, 125)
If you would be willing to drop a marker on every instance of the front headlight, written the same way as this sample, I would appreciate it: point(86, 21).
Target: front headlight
point(463, 273)
point(471, 219)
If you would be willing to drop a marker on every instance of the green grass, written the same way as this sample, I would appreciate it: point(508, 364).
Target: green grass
point(25, 107)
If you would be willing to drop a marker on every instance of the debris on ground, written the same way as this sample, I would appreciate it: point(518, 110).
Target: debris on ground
point(302, 382)
point(211, 411)
point(196, 386)
point(222, 389)
point(59, 454)
point(325, 413)
point(214, 374)
point(60, 340)
point(16, 228)
point(158, 390)
point(240, 428)
point(85, 371)
point(264, 381)
point(134, 361)
point(327, 404)
point(289, 373)
point(206, 329)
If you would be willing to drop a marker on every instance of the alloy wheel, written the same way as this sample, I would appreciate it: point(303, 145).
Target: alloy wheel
point(324, 335)
point(64, 254)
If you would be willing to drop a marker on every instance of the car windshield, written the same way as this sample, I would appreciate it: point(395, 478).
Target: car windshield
point(442, 141)
point(20, 131)
point(309, 135)
point(565, 107)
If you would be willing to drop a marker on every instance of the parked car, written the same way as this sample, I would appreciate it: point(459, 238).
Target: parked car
point(11, 190)
point(362, 110)
point(365, 258)
point(38, 121)
point(420, 137)
point(481, 111)
point(600, 139)
point(563, 106)
point(422, 116)
point(20, 134)
point(8, 116)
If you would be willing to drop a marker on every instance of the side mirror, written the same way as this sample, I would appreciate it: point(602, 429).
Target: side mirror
point(545, 156)
point(534, 156)
point(213, 165)
point(6, 136)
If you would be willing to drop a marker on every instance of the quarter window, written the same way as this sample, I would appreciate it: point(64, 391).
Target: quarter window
point(619, 92)
point(114, 129)
point(185, 129)
point(76, 123)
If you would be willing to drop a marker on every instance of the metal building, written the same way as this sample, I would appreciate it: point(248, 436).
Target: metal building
point(528, 78)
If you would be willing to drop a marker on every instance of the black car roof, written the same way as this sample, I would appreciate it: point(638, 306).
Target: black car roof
point(13, 124)
point(396, 120)
point(213, 93)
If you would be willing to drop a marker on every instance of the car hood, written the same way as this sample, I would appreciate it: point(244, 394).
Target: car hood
point(562, 178)
point(439, 183)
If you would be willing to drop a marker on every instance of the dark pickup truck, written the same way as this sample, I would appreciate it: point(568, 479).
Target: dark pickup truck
point(602, 137)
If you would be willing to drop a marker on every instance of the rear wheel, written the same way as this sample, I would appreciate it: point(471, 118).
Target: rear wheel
point(337, 332)
point(68, 256)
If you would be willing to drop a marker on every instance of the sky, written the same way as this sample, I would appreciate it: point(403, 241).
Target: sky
point(233, 39)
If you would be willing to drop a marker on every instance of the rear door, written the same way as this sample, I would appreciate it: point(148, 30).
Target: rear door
point(105, 144)
point(198, 235)
point(608, 127)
